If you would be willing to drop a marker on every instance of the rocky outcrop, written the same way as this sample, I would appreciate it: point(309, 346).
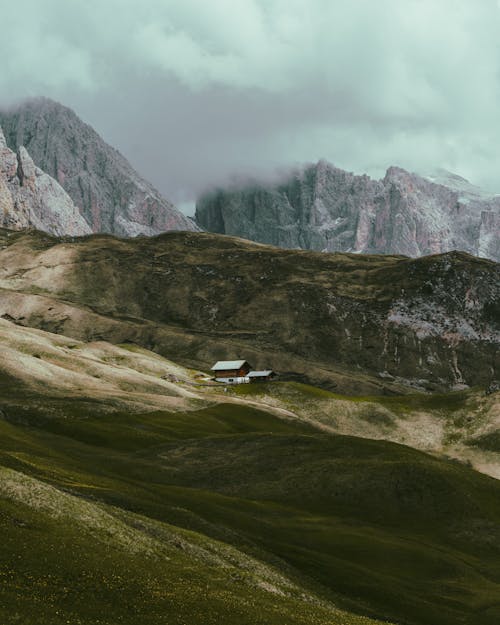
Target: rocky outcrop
point(109, 193)
point(341, 320)
point(29, 198)
point(321, 207)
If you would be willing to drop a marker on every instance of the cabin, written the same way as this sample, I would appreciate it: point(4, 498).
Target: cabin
point(231, 371)
point(261, 376)
point(239, 372)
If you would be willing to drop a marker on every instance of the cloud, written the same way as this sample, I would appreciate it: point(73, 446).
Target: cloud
point(193, 92)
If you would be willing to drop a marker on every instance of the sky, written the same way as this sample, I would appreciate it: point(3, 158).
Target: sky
point(198, 93)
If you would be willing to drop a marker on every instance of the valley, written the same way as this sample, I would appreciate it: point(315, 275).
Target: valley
point(183, 503)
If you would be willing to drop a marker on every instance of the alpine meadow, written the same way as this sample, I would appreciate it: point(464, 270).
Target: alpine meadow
point(250, 313)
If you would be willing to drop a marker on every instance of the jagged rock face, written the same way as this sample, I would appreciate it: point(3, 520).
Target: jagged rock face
point(110, 195)
point(324, 208)
point(431, 322)
point(29, 198)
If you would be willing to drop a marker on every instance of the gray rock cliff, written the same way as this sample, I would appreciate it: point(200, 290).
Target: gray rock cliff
point(30, 198)
point(321, 207)
point(109, 193)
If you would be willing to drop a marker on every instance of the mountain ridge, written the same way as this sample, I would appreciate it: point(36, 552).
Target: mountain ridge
point(324, 208)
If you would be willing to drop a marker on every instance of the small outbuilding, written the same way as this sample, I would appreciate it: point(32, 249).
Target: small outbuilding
point(261, 376)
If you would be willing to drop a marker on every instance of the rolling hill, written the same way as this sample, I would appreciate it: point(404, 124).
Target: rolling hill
point(126, 498)
point(359, 324)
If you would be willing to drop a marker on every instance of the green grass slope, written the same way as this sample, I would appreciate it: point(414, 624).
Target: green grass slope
point(67, 556)
point(64, 560)
point(462, 425)
point(228, 514)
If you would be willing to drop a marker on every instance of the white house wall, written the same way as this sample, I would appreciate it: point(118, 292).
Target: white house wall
point(242, 380)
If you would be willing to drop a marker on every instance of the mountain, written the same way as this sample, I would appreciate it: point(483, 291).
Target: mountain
point(321, 207)
point(131, 494)
point(30, 198)
point(359, 323)
point(109, 193)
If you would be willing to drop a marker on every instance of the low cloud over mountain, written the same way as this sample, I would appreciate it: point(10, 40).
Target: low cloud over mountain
point(234, 87)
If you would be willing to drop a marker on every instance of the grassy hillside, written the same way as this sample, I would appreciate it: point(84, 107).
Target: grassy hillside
point(229, 514)
point(462, 425)
point(64, 559)
point(87, 534)
point(130, 494)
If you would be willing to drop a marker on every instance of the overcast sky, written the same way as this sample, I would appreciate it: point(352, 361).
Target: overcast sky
point(194, 92)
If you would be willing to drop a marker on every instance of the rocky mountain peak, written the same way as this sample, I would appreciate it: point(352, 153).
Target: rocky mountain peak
point(328, 209)
point(109, 194)
point(394, 173)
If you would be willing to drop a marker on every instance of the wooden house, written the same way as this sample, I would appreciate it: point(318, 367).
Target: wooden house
point(239, 372)
point(231, 371)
